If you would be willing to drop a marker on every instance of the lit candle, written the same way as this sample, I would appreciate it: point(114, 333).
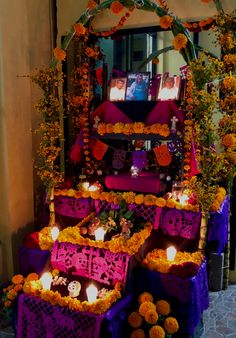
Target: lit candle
point(85, 185)
point(99, 234)
point(46, 280)
point(183, 199)
point(93, 188)
point(171, 252)
point(92, 293)
point(54, 233)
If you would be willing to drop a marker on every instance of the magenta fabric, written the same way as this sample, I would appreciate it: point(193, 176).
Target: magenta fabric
point(145, 184)
point(73, 207)
point(185, 224)
point(163, 112)
point(91, 262)
point(109, 113)
point(38, 319)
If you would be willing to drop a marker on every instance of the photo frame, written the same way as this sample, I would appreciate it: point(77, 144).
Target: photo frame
point(169, 88)
point(137, 88)
point(118, 89)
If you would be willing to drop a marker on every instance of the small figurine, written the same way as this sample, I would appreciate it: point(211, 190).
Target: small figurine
point(93, 226)
point(96, 120)
point(174, 121)
point(126, 225)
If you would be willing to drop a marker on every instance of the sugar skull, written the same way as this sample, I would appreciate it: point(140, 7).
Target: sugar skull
point(74, 288)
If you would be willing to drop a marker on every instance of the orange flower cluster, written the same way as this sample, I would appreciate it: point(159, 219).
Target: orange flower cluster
point(152, 318)
point(219, 198)
point(113, 29)
point(198, 26)
point(91, 4)
point(98, 306)
point(166, 21)
point(180, 41)
point(60, 54)
point(157, 260)
point(133, 128)
point(79, 29)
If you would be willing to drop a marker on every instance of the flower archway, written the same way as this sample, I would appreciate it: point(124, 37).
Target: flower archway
point(201, 104)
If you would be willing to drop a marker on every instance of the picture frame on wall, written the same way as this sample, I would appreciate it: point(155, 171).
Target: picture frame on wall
point(118, 89)
point(169, 88)
point(137, 88)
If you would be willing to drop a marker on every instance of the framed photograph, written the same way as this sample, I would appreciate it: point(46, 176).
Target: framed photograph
point(169, 88)
point(137, 88)
point(118, 89)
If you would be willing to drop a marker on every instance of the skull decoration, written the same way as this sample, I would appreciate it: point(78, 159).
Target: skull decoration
point(74, 288)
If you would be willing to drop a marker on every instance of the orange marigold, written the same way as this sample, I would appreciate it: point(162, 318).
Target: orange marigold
point(229, 140)
point(79, 29)
point(180, 41)
point(151, 316)
point(116, 7)
point(171, 325)
point(135, 319)
point(91, 4)
point(60, 54)
point(32, 276)
point(166, 21)
point(139, 333)
point(163, 307)
point(17, 279)
point(146, 306)
point(145, 297)
point(156, 332)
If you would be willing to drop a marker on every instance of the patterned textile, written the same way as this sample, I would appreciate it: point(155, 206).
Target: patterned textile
point(139, 159)
point(91, 262)
point(73, 207)
point(118, 160)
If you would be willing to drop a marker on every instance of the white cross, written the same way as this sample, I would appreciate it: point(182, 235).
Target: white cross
point(96, 120)
point(174, 120)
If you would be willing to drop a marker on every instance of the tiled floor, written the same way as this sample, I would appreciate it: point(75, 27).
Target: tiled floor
point(219, 319)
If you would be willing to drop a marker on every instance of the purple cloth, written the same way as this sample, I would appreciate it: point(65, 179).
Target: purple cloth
point(38, 319)
point(32, 260)
point(218, 226)
point(188, 297)
point(139, 159)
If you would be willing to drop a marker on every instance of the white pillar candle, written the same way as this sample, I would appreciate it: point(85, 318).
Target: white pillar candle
point(99, 234)
point(92, 293)
point(54, 233)
point(171, 252)
point(46, 280)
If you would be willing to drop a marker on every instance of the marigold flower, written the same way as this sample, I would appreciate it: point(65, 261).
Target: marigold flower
point(163, 307)
point(180, 41)
point(156, 332)
point(160, 202)
point(229, 140)
point(32, 276)
point(166, 21)
point(146, 306)
point(116, 7)
point(60, 54)
point(91, 4)
point(139, 199)
point(145, 297)
point(7, 303)
point(79, 29)
point(155, 61)
point(17, 279)
point(135, 319)
point(139, 333)
point(18, 287)
point(171, 325)
point(151, 316)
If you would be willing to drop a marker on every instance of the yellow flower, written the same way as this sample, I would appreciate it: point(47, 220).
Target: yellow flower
point(151, 316)
point(135, 319)
point(171, 325)
point(166, 21)
point(146, 306)
point(156, 332)
point(139, 199)
point(163, 307)
point(145, 297)
point(139, 333)
point(17, 279)
point(180, 41)
point(149, 200)
point(160, 202)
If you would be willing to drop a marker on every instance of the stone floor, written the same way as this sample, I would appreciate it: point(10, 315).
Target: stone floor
point(219, 319)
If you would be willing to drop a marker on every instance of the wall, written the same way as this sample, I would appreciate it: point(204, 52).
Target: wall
point(24, 43)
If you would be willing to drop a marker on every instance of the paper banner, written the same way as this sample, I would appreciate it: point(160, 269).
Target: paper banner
point(162, 155)
point(139, 159)
point(118, 160)
point(99, 150)
point(76, 153)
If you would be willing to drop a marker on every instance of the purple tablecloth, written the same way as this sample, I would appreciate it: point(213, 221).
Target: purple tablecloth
point(40, 319)
point(188, 297)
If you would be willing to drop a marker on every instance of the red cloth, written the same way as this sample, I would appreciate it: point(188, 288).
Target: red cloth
point(31, 241)
point(162, 155)
point(76, 153)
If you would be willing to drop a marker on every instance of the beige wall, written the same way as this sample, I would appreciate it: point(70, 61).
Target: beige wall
point(25, 44)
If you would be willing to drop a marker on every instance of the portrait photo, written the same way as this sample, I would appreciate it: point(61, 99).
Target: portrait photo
point(118, 89)
point(169, 88)
point(137, 88)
